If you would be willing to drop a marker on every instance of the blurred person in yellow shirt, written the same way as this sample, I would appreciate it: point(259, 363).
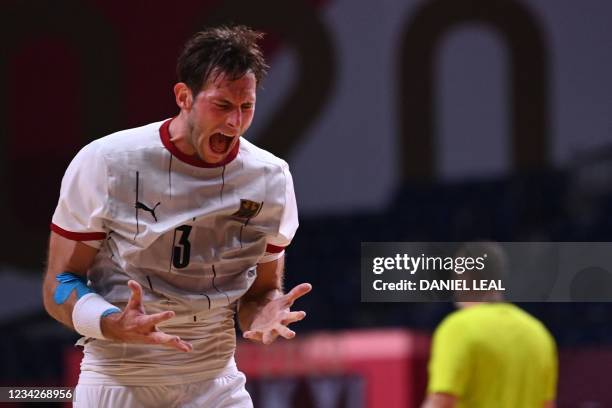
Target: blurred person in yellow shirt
point(490, 353)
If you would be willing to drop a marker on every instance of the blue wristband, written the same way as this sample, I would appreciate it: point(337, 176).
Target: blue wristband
point(68, 282)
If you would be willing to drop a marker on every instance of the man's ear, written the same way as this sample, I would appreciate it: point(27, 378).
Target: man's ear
point(183, 96)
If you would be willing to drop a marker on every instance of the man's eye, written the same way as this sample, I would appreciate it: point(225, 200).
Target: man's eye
point(222, 106)
point(247, 106)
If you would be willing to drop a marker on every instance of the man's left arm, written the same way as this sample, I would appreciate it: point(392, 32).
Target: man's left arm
point(264, 311)
point(440, 400)
point(450, 363)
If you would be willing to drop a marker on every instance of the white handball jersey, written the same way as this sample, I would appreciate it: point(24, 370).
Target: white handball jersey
point(189, 232)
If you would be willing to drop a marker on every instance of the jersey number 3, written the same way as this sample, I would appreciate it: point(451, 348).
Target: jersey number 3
point(182, 251)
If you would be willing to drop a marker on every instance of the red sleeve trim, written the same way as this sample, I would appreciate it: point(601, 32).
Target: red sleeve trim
point(78, 236)
point(273, 249)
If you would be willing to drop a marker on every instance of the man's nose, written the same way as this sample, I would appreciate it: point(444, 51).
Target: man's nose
point(234, 119)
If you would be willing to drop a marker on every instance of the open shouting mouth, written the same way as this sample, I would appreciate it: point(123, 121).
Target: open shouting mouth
point(220, 143)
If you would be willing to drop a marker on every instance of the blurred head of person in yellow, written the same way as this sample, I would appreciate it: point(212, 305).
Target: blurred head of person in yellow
point(496, 268)
point(490, 353)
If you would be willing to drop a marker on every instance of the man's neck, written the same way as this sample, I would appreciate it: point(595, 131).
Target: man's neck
point(179, 135)
point(484, 298)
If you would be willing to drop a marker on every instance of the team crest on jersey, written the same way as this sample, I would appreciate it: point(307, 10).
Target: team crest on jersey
point(248, 209)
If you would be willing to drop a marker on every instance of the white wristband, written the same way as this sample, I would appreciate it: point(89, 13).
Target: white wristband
point(88, 312)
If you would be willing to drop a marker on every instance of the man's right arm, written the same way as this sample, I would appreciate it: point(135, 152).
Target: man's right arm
point(70, 260)
point(65, 256)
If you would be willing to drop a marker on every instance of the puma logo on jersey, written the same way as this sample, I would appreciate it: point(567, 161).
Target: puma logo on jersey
point(142, 206)
point(248, 209)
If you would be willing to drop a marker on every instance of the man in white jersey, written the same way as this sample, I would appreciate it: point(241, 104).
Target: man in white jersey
point(164, 232)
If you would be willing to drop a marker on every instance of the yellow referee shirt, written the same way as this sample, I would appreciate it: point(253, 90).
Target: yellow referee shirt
point(493, 355)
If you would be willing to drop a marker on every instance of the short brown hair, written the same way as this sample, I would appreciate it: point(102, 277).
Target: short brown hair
point(231, 50)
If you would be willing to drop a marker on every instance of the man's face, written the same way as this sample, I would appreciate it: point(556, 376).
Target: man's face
point(220, 114)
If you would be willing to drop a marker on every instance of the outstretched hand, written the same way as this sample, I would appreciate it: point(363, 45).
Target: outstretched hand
point(272, 320)
point(133, 325)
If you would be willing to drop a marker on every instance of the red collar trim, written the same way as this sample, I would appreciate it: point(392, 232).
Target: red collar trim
point(164, 134)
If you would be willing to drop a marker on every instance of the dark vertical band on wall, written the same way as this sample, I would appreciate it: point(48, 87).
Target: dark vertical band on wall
point(528, 80)
point(94, 41)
